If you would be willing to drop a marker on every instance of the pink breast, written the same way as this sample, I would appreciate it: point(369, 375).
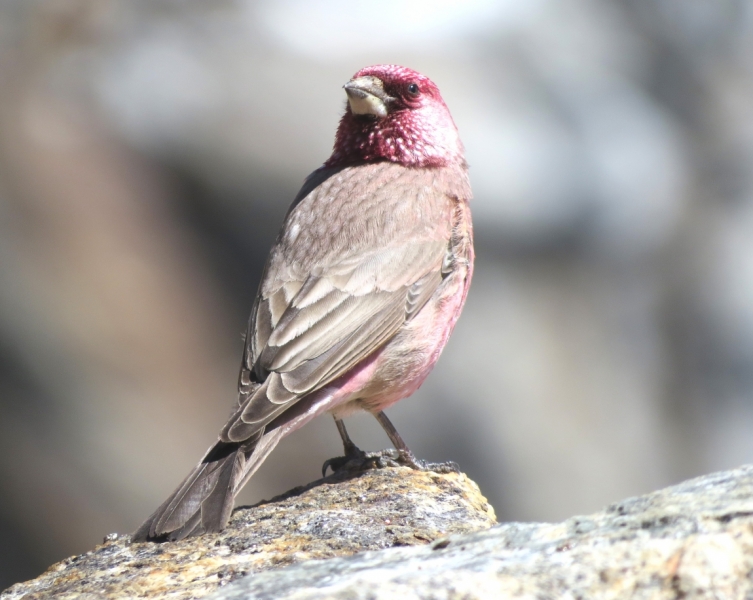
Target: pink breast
point(403, 365)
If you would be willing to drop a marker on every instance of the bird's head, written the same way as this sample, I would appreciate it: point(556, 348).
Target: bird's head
point(395, 114)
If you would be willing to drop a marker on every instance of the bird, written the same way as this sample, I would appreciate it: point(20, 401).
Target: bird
point(360, 293)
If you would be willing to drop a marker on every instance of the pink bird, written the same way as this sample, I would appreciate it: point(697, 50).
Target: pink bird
point(361, 291)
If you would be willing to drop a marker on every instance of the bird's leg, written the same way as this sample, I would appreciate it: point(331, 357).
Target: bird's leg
point(352, 452)
point(394, 436)
point(348, 446)
point(355, 459)
point(405, 456)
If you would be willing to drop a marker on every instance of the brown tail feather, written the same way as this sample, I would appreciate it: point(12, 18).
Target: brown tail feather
point(203, 501)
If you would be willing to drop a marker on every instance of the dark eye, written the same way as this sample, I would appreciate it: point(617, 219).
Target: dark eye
point(413, 89)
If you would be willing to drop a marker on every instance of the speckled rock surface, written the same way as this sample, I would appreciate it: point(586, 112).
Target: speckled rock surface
point(694, 540)
point(334, 517)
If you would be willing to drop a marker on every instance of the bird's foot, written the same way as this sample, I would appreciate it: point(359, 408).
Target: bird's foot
point(354, 459)
point(388, 458)
point(357, 462)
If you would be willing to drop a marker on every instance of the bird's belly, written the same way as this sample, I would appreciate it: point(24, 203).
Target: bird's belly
point(404, 363)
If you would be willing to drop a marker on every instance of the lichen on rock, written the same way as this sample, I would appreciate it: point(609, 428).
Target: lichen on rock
point(333, 517)
point(693, 540)
point(398, 533)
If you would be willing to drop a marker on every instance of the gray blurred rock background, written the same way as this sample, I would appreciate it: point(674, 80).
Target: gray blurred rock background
point(150, 148)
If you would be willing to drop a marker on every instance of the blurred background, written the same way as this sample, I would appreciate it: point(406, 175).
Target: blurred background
point(149, 150)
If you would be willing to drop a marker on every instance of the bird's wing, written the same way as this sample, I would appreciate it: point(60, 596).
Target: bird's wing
point(339, 285)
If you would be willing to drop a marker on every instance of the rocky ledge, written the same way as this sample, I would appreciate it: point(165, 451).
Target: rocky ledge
point(338, 516)
point(693, 540)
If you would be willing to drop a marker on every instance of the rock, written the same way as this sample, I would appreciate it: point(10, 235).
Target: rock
point(334, 517)
point(693, 540)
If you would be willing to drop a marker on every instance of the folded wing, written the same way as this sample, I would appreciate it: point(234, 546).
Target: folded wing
point(320, 313)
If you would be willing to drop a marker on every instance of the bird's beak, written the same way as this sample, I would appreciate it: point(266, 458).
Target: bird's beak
point(366, 96)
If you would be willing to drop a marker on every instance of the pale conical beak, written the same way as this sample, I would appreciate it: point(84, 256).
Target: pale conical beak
point(366, 96)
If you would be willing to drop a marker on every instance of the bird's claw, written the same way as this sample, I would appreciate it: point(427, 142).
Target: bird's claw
point(359, 460)
point(353, 459)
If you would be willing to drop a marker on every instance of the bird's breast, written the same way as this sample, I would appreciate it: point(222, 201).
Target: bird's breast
point(405, 362)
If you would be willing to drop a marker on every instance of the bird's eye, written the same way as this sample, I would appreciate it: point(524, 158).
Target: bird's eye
point(413, 89)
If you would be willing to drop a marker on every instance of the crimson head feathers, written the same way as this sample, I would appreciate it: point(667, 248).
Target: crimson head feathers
point(395, 114)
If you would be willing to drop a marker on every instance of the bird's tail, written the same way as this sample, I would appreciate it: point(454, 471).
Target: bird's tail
point(202, 503)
